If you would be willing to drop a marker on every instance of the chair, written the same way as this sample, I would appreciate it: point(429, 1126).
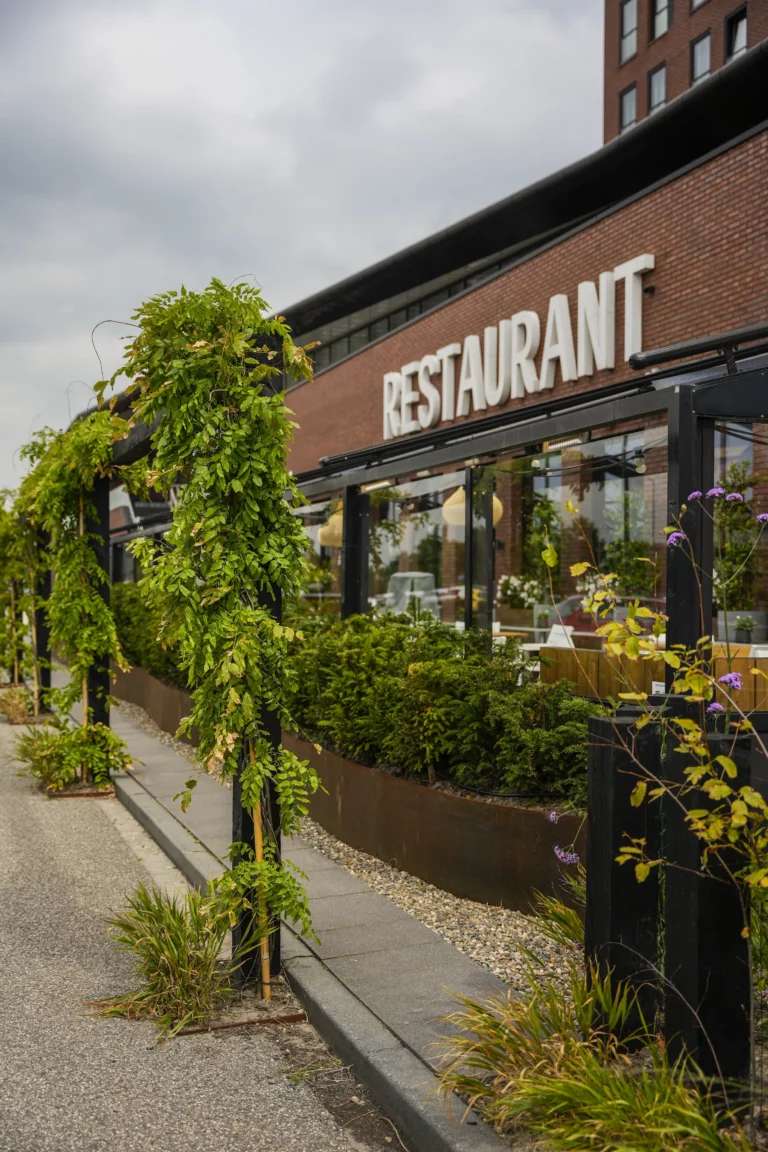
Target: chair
point(559, 637)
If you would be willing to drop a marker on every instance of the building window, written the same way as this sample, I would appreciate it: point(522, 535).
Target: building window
point(697, 4)
point(628, 108)
point(657, 88)
point(701, 58)
point(628, 24)
point(736, 34)
point(661, 18)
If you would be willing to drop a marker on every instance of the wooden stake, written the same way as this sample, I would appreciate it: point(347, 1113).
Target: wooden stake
point(261, 910)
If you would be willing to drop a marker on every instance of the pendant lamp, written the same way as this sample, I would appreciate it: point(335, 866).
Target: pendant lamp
point(453, 509)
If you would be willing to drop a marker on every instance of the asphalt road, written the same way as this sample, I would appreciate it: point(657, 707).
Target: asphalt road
point(69, 1081)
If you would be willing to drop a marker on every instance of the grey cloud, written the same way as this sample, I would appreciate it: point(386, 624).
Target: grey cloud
point(165, 141)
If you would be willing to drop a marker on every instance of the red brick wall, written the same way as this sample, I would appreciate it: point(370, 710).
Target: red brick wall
point(674, 47)
point(707, 232)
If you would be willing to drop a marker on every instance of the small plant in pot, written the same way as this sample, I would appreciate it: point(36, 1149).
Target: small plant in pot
point(745, 626)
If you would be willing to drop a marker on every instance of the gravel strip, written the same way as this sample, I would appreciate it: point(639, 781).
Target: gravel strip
point(490, 935)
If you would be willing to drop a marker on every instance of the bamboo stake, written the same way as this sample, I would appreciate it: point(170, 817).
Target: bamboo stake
point(261, 910)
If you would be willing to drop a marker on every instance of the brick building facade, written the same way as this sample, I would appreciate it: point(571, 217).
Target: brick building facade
point(400, 485)
point(685, 23)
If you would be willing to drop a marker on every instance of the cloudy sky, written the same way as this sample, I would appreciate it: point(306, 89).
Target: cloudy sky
point(154, 142)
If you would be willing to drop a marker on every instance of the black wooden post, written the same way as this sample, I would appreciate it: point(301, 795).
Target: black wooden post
point(690, 469)
point(243, 831)
point(707, 990)
point(469, 548)
point(43, 591)
point(622, 917)
point(354, 573)
point(98, 678)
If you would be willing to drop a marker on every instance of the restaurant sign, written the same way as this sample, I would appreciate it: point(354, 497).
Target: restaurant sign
point(504, 366)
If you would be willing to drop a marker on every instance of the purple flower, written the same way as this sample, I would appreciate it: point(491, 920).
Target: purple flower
point(734, 496)
point(763, 518)
point(674, 539)
point(566, 857)
point(731, 680)
point(715, 707)
point(716, 492)
point(694, 495)
point(553, 817)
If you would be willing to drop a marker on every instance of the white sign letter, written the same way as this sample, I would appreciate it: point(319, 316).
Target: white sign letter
point(525, 337)
point(429, 413)
point(392, 387)
point(558, 343)
point(596, 326)
point(631, 273)
point(497, 364)
point(471, 378)
point(446, 356)
point(408, 397)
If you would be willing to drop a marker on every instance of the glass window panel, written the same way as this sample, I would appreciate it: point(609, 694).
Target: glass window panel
point(736, 35)
point(416, 547)
point(379, 328)
point(628, 108)
point(397, 318)
point(619, 485)
point(657, 88)
point(628, 30)
point(323, 522)
point(660, 18)
point(701, 58)
point(358, 340)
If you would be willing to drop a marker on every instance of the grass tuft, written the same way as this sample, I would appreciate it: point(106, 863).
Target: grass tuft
point(551, 1062)
point(176, 945)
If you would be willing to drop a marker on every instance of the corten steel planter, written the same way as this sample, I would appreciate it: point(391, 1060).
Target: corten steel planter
point(166, 705)
point(492, 853)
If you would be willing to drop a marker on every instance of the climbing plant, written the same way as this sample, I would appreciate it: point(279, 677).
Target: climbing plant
point(208, 366)
point(14, 605)
point(56, 498)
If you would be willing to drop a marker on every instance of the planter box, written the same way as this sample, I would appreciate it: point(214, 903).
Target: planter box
point(492, 853)
point(166, 705)
point(759, 632)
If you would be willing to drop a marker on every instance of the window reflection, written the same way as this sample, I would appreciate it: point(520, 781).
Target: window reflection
point(324, 523)
point(619, 486)
point(416, 547)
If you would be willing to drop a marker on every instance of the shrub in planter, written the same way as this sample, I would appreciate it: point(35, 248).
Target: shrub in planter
point(137, 628)
point(56, 754)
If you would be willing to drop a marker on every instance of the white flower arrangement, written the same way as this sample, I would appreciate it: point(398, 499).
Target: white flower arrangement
point(520, 591)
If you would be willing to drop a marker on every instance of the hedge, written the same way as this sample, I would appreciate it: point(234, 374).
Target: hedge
point(416, 698)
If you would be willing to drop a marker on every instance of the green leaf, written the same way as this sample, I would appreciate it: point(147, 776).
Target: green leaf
point(549, 556)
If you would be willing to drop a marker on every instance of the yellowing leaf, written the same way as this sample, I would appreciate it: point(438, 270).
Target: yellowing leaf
point(549, 556)
point(638, 794)
point(580, 568)
point(642, 872)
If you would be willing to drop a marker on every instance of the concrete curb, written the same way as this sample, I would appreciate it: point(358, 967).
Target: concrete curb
point(402, 1084)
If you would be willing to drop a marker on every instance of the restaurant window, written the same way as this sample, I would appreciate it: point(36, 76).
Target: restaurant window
point(736, 34)
point(628, 109)
point(657, 88)
point(660, 18)
point(628, 30)
point(603, 501)
point(323, 523)
point(740, 567)
point(701, 58)
point(416, 547)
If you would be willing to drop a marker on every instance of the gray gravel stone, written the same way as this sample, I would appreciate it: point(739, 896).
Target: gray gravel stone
point(70, 1081)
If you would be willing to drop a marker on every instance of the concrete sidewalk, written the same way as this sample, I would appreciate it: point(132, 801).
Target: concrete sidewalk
point(378, 984)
